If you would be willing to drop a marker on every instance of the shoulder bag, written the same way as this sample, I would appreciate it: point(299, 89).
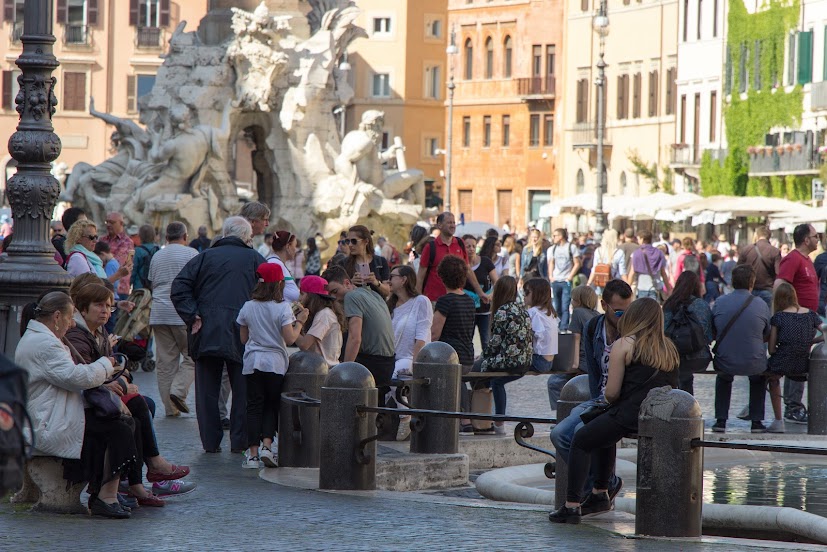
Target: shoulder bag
point(726, 331)
point(596, 410)
point(661, 294)
point(103, 401)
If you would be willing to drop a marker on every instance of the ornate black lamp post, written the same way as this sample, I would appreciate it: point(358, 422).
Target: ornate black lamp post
point(30, 269)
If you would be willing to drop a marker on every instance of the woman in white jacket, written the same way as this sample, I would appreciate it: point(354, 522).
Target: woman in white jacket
point(94, 450)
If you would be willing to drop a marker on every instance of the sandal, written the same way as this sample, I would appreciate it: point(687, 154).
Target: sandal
point(178, 472)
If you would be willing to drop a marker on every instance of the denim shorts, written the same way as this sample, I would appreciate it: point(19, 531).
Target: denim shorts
point(540, 364)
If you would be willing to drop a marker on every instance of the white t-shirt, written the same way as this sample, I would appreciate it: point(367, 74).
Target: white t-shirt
point(412, 322)
point(326, 329)
point(291, 290)
point(265, 351)
point(546, 334)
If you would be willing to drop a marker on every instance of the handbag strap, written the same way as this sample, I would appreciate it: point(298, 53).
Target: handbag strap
point(731, 322)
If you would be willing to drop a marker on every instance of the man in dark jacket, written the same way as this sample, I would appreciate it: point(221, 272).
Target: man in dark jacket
point(599, 335)
point(208, 295)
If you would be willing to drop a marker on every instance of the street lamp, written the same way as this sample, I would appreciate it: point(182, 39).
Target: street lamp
point(451, 50)
point(600, 23)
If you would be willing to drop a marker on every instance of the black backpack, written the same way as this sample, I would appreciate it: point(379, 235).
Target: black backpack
point(686, 332)
point(14, 448)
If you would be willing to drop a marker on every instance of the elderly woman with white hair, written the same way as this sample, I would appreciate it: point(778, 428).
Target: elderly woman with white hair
point(208, 294)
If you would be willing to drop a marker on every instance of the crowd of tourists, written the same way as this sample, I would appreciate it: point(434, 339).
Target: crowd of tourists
point(641, 314)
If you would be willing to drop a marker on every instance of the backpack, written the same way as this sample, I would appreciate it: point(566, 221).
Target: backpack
point(396, 258)
point(16, 442)
point(602, 274)
point(144, 273)
point(691, 263)
point(686, 332)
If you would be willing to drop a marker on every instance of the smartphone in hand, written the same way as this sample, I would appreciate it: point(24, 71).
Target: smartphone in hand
point(363, 269)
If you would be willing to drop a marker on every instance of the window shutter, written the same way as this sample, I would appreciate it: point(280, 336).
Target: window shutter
point(133, 13)
point(131, 94)
point(7, 100)
point(805, 57)
point(824, 69)
point(164, 13)
point(8, 10)
point(62, 12)
point(636, 92)
point(92, 12)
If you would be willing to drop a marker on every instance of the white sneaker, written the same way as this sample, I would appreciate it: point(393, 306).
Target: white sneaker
point(777, 426)
point(251, 463)
point(267, 457)
point(499, 429)
point(404, 430)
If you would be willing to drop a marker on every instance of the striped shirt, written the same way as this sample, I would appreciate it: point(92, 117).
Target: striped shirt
point(165, 266)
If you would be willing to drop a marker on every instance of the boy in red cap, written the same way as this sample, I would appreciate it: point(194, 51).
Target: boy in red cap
point(267, 328)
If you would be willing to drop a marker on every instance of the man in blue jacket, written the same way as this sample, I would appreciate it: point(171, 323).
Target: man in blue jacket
point(208, 294)
point(600, 334)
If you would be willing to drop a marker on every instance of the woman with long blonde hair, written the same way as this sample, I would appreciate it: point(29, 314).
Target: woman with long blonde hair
point(607, 253)
point(641, 360)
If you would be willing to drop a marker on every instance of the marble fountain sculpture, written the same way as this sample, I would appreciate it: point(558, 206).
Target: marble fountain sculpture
point(276, 86)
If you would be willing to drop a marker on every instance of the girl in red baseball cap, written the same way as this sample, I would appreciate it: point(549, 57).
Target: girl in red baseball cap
point(268, 327)
point(323, 331)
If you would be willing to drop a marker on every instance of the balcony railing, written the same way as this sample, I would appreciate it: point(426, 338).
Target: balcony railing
point(76, 34)
point(684, 155)
point(16, 31)
point(536, 86)
point(584, 135)
point(149, 37)
point(784, 159)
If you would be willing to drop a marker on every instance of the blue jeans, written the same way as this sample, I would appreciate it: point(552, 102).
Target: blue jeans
point(555, 384)
point(764, 294)
point(498, 389)
point(483, 322)
point(562, 436)
point(561, 300)
point(651, 293)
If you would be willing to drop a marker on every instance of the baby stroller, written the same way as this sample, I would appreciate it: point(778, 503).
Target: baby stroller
point(135, 332)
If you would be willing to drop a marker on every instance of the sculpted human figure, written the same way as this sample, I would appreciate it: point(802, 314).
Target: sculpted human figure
point(191, 161)
point(89, 185)
point(361, 161)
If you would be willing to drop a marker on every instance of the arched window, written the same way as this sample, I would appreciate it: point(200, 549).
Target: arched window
point(623, 184)
point(489, 58)
point(581, 182)
point(469, 60)
point(508, 57)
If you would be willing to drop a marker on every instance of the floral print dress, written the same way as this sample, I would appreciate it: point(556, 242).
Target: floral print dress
point(511, 343)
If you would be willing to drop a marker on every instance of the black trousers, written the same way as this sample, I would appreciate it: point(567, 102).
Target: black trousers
point(723, 395)
point(381, 367)
point(208, 371)
point(263, 403)
point(594, 448)
point(140, 411)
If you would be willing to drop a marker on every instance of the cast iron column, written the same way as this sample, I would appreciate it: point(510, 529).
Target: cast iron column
point(30, 269)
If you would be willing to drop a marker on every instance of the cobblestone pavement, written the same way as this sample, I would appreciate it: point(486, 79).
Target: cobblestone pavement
point(233, 510)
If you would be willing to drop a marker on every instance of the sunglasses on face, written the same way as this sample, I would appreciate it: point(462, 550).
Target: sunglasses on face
point(619, 313)
point(93, 237)
point(351, 241)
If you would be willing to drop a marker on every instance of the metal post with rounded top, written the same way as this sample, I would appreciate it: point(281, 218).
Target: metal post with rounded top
point(669, 469)
point(576, 391)
point(299, 425)
point(817, 390)
point(438, 364)
point(347, 386)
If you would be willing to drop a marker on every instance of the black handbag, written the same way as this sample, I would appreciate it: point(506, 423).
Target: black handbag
point(597, 410)
point(103, 401)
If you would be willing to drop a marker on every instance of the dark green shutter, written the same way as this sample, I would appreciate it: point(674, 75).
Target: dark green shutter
point(805, 57)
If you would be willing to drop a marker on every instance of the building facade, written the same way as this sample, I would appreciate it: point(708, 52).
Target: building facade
point(108, 51)
point(640, 98)
point(400, 69)
point(505, 134)
point(702, 29)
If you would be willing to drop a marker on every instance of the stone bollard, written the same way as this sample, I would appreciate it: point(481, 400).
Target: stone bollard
point(47, 486)
point(438, 362)
point(575, 391)
point(817, 390)
point(300, 449)
point(669, 470)
point(347, 386)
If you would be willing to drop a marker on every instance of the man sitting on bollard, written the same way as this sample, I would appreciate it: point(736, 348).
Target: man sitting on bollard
point(599, 336)
point(369, 329)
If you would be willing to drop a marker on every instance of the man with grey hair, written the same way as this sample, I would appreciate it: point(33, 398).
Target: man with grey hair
point(175, 368)
point(257, 214)
point(208, 294)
